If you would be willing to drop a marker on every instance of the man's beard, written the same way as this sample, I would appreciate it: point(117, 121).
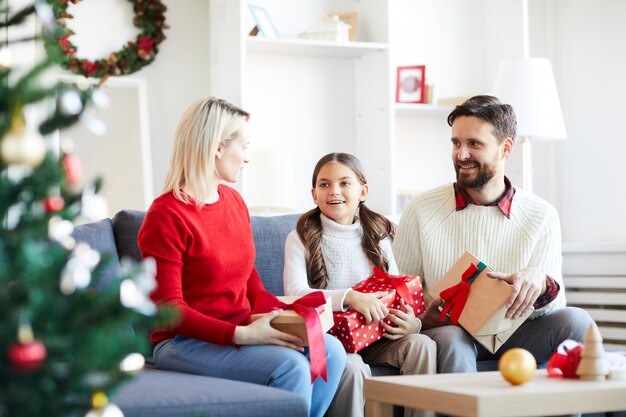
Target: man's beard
point(485, 174)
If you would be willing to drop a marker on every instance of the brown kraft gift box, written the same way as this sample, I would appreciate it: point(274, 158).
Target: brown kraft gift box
point(484, 314)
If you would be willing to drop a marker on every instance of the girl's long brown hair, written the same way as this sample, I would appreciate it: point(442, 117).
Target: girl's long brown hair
point(375, 227)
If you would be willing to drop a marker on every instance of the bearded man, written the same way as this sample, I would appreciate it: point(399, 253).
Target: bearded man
point(515, 232)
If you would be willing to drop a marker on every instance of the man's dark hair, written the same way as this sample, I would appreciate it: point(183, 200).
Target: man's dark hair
point(490, 109)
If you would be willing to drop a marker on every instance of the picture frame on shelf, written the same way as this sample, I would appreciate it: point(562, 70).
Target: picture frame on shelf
point(264, 25)
point(411, 84)
point(349, 18)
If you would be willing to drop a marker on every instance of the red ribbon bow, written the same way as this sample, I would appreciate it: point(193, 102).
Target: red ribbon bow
point(307, 307)
point(565, 364)
point(398, 283)
point(456, 296)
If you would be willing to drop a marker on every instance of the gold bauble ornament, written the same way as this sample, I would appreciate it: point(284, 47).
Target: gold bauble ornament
point(517, 366)
point(102, 407)
point(21, 146)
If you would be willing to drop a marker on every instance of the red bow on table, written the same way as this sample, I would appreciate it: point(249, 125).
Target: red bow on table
point(307, 307)
point(398, 283)
point(456, 296)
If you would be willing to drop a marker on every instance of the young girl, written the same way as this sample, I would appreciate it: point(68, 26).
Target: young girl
point(199, 233)
point(335, 246)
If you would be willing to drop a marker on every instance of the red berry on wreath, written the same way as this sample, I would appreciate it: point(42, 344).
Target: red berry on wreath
point(27, 354)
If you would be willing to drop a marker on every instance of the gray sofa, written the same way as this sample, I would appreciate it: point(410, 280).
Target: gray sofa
point(158, 393)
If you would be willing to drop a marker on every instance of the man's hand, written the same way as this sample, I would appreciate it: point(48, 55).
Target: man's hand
point(367, 304)
point(528, 284)
point(405, 322)
point(430, 318)
point(260, 332)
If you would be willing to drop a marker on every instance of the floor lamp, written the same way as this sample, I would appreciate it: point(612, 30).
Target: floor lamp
point(528, 85)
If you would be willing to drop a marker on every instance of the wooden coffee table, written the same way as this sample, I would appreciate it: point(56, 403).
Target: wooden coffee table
point(486, 394)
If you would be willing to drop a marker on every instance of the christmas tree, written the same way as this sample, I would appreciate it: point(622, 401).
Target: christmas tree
point(66, 342)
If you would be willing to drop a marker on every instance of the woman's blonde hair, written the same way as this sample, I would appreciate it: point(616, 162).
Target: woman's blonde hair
point(201, 128)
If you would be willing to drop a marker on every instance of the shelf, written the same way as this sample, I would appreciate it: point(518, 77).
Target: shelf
point(308, 47)
point(412, 109)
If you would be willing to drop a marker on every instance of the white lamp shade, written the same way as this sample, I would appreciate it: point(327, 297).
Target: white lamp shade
point(271, 185)
point(528, 85)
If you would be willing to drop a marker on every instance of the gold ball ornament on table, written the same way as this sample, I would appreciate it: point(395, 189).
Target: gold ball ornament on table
point(23, 147)
point(517, 366)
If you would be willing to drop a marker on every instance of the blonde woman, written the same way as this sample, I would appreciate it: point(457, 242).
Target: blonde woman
point(199, 232)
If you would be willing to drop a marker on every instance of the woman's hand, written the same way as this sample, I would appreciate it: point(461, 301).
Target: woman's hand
point(405, 322)
point(367, 304)
point(260, 332)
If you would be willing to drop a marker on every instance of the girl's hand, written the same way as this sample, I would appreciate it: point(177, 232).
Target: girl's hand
point(368, 304)
point(405, 322)
point(260, 332)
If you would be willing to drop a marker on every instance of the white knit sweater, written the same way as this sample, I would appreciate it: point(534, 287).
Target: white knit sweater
point(344, 259)
point(432, 235)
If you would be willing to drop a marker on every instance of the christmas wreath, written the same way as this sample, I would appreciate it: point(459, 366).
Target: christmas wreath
point(149, 18)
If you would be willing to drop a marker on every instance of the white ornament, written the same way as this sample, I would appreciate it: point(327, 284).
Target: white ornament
point(59, 230)
point(93, 206)
point(110, 410)
point(95, 126)
point(132, 297)
point(132, 363)
point(100, 99)
point(22, 146)
point(6, 57)
point(70, 103)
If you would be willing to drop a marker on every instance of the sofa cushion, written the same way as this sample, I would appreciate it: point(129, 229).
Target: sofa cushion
point(126, 224)
point(270, 234)
point(157, 393)
point(99, 235)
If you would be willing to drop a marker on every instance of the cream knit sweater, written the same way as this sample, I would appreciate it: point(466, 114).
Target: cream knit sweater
point(344, 259)
point(432, 235)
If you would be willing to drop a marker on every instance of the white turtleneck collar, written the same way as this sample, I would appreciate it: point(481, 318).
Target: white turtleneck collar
point(341, 231)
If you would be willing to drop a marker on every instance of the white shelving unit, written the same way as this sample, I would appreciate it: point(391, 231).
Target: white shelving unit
point(310, 97)
point(422, 110)
point(348, 50)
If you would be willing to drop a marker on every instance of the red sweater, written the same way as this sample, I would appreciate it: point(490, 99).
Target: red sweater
point(205, 264)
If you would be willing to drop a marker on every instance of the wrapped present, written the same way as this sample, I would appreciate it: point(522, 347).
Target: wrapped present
point(307, 317)
point(350, 327)
point(477, 302)
point(293, 323)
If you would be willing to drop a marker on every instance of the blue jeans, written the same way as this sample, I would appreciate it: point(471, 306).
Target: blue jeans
point(270, 365)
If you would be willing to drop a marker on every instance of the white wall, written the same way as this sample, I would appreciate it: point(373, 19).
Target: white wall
point(177, 77)
point(460, 41)
point(584, 40)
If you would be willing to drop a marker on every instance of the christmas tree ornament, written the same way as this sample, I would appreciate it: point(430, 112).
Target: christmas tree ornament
point(95, 126)
point(53, 203)
point(73, 168)
point(27, 355)
point(59, 229)
point(133, 363)
point(23, 146)
point(517, 365)
point(592, 365)
point(102, 407)
point(6, 57)
point(100, 99)
point(132, 297)
point(93, 206)
point(70, 103)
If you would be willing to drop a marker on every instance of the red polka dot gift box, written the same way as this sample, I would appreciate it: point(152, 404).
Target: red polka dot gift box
point(350, 327)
